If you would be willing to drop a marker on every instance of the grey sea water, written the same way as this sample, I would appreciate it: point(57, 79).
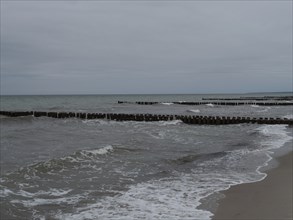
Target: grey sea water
point(99, 169)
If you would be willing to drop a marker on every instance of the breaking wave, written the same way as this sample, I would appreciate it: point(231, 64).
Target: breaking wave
point(288, 116)
point(167, 103)
point(194, 110)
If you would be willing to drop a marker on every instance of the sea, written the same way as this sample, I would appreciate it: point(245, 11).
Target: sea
point(80, 169)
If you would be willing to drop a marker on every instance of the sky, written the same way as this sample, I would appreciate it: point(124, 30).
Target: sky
point(145, 47)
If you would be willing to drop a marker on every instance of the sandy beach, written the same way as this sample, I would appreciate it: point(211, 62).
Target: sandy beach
point(267, 199)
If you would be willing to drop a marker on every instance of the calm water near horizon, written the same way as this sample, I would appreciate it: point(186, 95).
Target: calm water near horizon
point(99, 169)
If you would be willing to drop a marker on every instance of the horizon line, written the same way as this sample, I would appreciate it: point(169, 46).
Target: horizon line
point(85, 94)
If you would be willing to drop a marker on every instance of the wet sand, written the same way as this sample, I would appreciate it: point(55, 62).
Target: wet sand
point(270, 198)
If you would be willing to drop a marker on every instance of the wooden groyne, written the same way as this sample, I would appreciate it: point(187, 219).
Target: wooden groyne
point(213, 103)
point(265, 98)
point(188, 119)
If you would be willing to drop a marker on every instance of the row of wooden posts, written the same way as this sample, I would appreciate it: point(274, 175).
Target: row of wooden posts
point(268, 98)
point(255, 98)
point(188, 119)
point(213, 103)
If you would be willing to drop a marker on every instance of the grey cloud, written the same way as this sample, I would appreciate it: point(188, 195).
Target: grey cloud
point(111, 47)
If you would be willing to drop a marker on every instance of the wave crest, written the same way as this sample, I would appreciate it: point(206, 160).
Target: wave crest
point(95, 152)
point(193, 110)
point(276, 135)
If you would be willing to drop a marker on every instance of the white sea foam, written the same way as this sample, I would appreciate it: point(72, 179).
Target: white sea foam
point(37, 216)
point(173, 198)
point(210, 105)
point(54, 192)
point(194, 110)
point(97, 122)
point(41, 201)
point(266, 109)
point(5, 192)
point(255, 106)
point(99, 151)
point(170, 198)
point(179, 197)
point(167, 103)
point(288, 116)
point(158, 135)
point(94, 122)
point(165, 123)
point(277, 136)
point(161, 199)
point(50, 192)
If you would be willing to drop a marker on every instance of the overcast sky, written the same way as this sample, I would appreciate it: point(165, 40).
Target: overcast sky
point(99, 47)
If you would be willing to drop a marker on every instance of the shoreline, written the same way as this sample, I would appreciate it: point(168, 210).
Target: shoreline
point(270, 198)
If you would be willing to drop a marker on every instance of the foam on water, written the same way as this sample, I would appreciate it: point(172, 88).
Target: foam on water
point(276, 135)
point(255, 106)
point(97, 122)
point(99, 151)
point(210, 105)
point(180, 196)
point(170, 198)
point(157, 135)
point(162, 199)
point(104, 169)
point(265, 109)
point(5, 192)
point(166, 123)
point(23, 193)
point(70, 200)
point(194, 110)
point(81, 155)
point(167, 103)
point(288, 116)
point(77, 160)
